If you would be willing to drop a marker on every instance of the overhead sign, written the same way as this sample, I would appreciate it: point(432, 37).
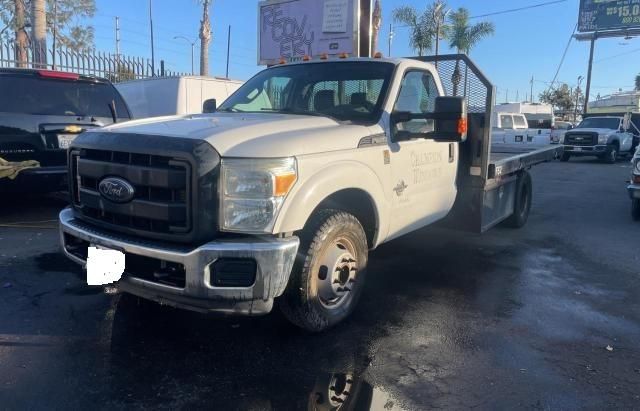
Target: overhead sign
point(292, 29)
point(598, 15)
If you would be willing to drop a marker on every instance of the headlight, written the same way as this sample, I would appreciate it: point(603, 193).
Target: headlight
point(636, 166)
point(603, 139)
point(252, 192)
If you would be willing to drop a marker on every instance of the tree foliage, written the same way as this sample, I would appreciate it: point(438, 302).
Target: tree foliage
point(562, 97)
point(638, 82)
point(464, 36)
point(421, 25)
point(67, 18)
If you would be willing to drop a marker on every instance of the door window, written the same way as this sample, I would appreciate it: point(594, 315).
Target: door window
point(418, 93)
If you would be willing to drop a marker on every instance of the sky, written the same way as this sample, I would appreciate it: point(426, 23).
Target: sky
point(526, 44)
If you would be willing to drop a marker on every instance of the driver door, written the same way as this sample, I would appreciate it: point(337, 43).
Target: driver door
point(423, 171)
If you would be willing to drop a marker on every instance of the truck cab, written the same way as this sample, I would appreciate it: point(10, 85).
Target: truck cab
point(603, 137)
point(282, 192)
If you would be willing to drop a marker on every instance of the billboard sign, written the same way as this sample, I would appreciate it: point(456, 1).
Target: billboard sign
point(292, 29)
point(599, 15)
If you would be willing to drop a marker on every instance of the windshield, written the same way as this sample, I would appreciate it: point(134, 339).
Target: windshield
point(540, 121)
point(38, 96)
point(346, 91)
point(602, 122)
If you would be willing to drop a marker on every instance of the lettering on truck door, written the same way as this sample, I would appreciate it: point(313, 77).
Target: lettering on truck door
point(423, 171)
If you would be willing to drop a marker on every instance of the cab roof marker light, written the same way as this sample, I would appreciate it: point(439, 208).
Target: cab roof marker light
point(58, 74)
point(324, 56)
point(378, 55)
point(306, 58)
point(344, 55)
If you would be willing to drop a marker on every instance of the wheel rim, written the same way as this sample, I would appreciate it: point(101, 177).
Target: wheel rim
point(336, 273)
point(614, 154)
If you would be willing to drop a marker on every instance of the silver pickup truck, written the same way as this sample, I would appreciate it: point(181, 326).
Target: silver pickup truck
point(603, 137)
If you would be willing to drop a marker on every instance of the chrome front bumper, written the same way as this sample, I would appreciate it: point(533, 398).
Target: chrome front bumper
point(586, 150)
point(274, 260)
point(634, 191)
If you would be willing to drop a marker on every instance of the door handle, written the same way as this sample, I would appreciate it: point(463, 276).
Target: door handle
point(452, 152)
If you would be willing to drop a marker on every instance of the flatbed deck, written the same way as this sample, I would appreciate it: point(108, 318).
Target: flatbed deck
point(506, 159)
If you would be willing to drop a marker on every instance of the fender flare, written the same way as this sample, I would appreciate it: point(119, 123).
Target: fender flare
point(334, 177)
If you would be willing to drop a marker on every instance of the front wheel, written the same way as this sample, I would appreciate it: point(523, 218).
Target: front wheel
point(635, 209)
point(328, 276)
point(565, 157)
point(611, 156)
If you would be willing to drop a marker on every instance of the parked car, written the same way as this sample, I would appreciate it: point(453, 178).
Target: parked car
point(561, 127)
point(41, 113)
point(168, 96)
point(226, 212)
point(602, 137)
point(634, 186)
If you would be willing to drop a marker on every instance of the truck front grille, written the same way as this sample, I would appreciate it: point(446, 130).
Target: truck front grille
point(581, 139)
point(160, 205)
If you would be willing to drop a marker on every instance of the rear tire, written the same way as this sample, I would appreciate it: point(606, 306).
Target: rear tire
point(611, 156)
point(329, 273)
point(635, 209)
point(565, 157)
point(522, 206)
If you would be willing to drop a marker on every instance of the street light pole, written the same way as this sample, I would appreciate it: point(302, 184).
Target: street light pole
point(193, 44)
point(575, 112)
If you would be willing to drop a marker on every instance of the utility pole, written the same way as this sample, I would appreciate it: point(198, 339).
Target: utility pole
point(391, 34)
point(228, 49)
point(117, 42)
point(153, 52)
point(588, 87)
point(506, 96)
point(531, 95)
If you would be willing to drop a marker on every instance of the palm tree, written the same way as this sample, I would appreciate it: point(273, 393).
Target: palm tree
point(375, 27)
point(205, 37)
point(39, 33)
point(421, 26)
point(638, 82)
point(464, 37)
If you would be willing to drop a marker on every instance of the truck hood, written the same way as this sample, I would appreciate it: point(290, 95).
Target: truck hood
point(253, 135)
point(601, 131)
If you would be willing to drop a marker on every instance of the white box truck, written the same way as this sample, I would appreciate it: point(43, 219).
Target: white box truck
point(168, 96)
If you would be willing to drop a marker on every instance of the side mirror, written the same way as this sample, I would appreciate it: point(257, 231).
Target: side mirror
point(570, 127)
point(450, 120)
point(210, 106)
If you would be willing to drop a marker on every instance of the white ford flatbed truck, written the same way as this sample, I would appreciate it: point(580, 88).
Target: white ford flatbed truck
point(282, 192)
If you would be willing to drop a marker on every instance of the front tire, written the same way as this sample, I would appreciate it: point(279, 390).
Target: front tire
point(328, 276)
point(635, 209)
point(611, 156)
point(565, 157)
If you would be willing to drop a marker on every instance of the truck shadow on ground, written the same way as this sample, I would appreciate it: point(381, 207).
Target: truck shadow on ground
point(158, 352)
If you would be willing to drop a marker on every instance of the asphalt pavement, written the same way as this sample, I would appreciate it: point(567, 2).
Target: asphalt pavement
point(546, 317)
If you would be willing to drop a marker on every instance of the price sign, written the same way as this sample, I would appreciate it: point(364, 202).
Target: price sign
point(598, 15)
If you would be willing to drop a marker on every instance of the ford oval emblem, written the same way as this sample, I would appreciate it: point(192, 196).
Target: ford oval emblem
point(116, 189)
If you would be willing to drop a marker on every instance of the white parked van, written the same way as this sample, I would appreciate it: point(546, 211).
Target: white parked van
point(165, 96)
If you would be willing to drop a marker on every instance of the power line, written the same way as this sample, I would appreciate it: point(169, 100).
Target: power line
point(564, 55)
point(533, 6)
point(616, 55)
